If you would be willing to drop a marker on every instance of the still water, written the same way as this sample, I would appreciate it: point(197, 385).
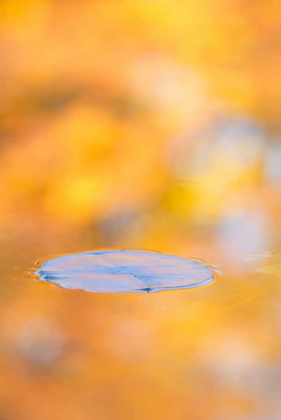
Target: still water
point(209, 352)
point(150, 126)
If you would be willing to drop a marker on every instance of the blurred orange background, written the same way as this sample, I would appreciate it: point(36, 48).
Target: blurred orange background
point(148, 124)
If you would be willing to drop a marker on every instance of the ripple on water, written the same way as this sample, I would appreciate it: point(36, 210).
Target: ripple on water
point(124, 271)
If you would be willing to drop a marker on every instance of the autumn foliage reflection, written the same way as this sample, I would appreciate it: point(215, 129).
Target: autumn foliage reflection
point(140, 124)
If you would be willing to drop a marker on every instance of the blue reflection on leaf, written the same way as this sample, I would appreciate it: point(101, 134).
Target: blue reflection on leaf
point(124, 271)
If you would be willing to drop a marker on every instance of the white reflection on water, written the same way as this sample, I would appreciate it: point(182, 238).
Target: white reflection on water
point(41, 342)
point(241, 143)
point(273, 165)
point(237, 364)
point(237, 142)
point(242, 233)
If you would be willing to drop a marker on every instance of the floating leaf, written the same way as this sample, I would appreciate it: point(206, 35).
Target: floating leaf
point(124, 271)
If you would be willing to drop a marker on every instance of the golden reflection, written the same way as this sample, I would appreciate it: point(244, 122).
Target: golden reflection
point(149, 125)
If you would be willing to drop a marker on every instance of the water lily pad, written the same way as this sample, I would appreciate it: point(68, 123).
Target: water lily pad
point(124, 271)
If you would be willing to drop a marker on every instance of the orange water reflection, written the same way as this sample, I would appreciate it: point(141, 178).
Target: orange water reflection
point(144, 125)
